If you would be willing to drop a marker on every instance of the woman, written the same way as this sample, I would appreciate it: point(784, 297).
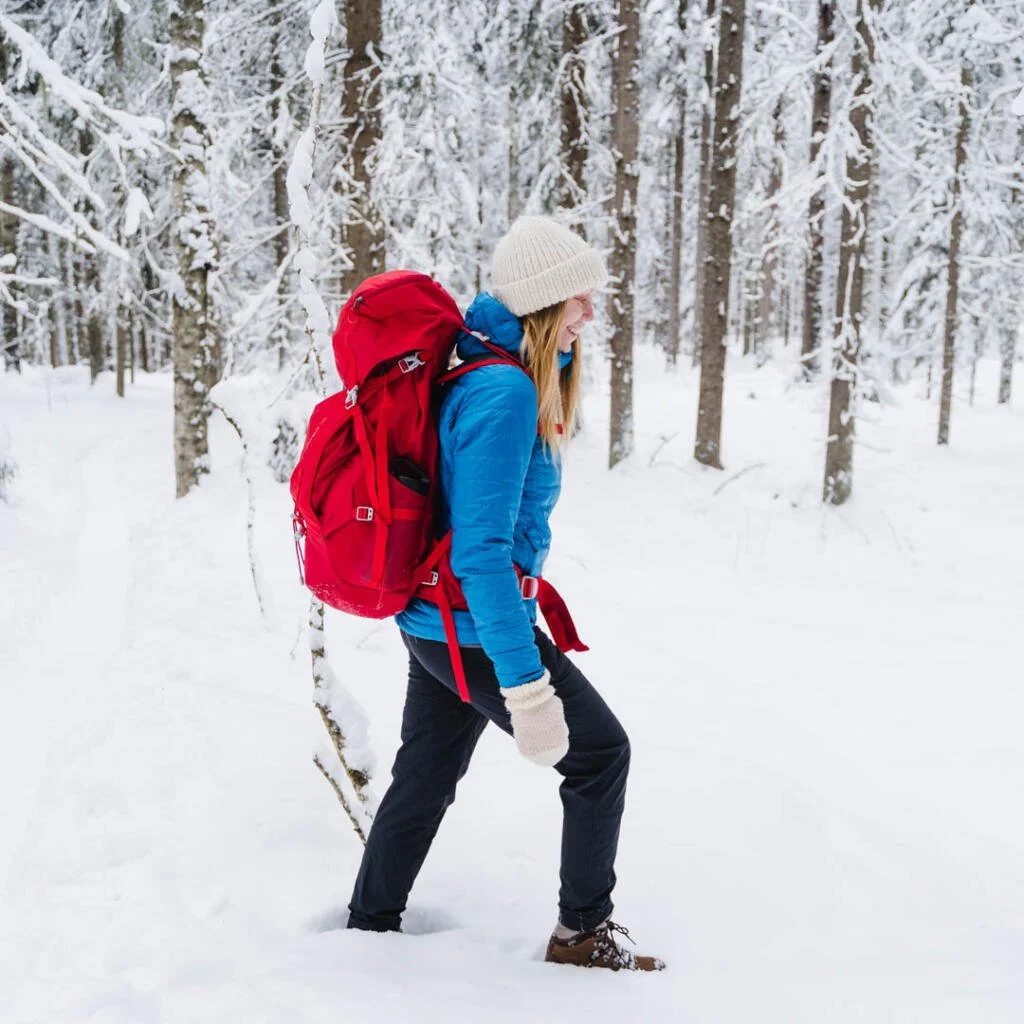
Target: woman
point(500, 434)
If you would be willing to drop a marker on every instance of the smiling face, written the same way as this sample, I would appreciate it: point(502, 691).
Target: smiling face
point(578, 310)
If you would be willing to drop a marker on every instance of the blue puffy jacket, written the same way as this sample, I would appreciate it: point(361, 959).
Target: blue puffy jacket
point(499, 485)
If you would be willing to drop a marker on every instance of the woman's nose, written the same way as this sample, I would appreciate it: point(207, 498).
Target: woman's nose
point(588, 310)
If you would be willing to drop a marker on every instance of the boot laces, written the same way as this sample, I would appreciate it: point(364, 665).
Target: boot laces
point(605, 945)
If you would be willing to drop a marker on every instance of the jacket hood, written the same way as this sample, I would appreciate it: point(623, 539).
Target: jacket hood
point(488, 316)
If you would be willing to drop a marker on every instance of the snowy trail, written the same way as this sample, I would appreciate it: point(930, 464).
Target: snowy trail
point(824, 711)
point(79, 503)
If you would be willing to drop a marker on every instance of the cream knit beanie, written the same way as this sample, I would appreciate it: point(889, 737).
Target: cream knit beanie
point(540, 263)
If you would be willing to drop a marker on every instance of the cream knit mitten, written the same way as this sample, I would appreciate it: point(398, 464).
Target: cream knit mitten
point(538, 721)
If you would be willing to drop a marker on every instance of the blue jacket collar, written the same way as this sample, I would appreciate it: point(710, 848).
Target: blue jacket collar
point(504, 329)
point(488, 316)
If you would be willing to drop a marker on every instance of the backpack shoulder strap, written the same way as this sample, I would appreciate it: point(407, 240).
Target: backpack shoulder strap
point(498, 357)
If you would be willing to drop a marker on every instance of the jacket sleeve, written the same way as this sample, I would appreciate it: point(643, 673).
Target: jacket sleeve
point(492, 441)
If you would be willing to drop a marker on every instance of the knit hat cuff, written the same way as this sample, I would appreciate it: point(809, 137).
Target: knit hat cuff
point(583, 273)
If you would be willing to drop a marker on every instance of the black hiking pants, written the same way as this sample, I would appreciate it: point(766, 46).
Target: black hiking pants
point(439, 733)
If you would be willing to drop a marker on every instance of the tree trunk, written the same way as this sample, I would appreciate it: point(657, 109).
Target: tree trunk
point(362, 229)
point(953, 278)
point(717, 265)
point(574, 107)
point(122, 343)
point(703, 184)
point(133, 333)
point(279, 135)
point(72, 277)
point(1008, 338)
point(94, 332)
point(8, 246)
point(88, 293)
point(123, 331)
point(1007, 355)
point(746, 310)
point(193, 323)
point(8, 240)
point(838, 483)
point(512, 125)
point(625, 140)
point(148, 288)
point(675, 249)
point(768, 306)
point(816, 244)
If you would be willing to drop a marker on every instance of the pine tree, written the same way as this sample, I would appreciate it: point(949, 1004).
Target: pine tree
point(717, 266)
point(194, 321)
point(8, 242)
point(675, 288)
point(820, 111)
point(953, 261)
point(704, 183)
point(625, 140)
point(574, 106)
point(849, 315)
point(362, 230)
point(768, 311)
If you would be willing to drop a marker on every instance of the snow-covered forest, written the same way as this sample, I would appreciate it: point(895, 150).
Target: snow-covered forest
point(146, 199)
point(791, 519)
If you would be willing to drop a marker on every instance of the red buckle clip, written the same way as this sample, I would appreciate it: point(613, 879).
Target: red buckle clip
point(528, 587)
point(410, 363)
point(431, 580)
point(364, 513)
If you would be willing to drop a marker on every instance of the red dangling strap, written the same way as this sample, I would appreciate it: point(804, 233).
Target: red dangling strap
point(435, 573)
point(454, 651)
point(556, 615)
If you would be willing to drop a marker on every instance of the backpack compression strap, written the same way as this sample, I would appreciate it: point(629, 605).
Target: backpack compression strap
point(437, 572)
point(437, 579)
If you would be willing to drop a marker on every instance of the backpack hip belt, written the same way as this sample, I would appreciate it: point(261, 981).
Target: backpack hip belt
point(440, 586)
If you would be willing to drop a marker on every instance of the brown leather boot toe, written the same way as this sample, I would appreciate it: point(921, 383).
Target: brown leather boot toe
point(599, 949)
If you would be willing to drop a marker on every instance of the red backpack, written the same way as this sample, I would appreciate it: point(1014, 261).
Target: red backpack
point(366, 484)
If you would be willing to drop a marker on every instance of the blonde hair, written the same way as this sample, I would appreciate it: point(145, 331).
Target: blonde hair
point(558, 389)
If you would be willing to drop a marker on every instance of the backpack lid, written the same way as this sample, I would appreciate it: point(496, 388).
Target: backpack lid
point(390, 315)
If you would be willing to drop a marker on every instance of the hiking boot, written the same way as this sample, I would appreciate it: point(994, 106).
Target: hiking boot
point(598, 948)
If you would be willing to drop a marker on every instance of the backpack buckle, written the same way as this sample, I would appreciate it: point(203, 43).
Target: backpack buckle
point(431, 580)
point(364, 513)
point(351, 396)
point(410, 363)
point(528, 587)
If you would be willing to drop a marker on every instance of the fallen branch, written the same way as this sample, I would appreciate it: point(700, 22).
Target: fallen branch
point(326, 685)
point(342, 799)
point(736, 476)
point(664, 441)
point(250, 524)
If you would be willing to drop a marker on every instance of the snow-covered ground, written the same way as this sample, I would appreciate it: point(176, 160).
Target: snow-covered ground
point(825, 707)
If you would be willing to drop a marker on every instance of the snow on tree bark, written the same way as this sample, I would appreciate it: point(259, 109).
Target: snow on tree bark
point(953, 262)
point(673, 323)
point(574, 107)
point(279, 129)
point(362, 229)
point(820, 111)
point(704, 181)
point(348, 765)
point(716, 270)
point(625, 138)
point(767, 325)
point(8, 242)
point(193, 320)
point(849, 316)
